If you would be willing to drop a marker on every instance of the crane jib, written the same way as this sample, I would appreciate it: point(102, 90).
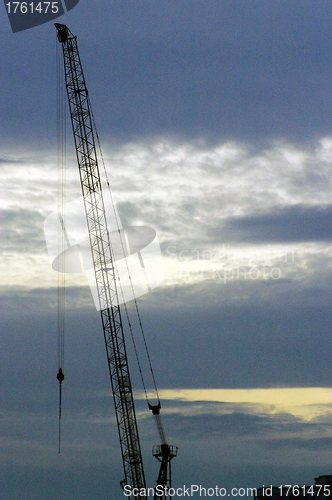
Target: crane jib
point(103, 261)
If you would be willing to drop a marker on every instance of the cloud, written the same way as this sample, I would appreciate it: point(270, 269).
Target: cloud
point(287, 224)
point(303, 403)
point(21, 231)
point(213, 71)
point(197, 198)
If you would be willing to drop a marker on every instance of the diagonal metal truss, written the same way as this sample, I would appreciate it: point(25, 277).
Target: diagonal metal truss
point(102, 259)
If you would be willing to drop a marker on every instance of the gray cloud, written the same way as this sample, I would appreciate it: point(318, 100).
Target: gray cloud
point(215, 70)
point(225, 346)
point(21, 231)
point(296, 223)
point(258, 339)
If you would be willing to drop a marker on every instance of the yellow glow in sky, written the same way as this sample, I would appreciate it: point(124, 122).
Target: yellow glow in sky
point(306, 403)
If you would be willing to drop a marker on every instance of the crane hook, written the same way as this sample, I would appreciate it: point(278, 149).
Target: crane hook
point(60, 376)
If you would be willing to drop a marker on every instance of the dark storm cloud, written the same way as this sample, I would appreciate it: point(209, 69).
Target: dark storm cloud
point(266, 341)
point(241, 335)
point(41, 301)
point(296, 223)
point(223, 69)
point(244, 347)
point(208, 449)
point(225, 347)
point(243, 419)
point(313, 444)
point(235, 423)
point(195, 69)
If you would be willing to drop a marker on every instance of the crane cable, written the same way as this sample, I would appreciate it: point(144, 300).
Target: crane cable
point(131, 285)
point(61, 282)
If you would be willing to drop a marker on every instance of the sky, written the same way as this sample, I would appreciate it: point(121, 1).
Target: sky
point(215, 124)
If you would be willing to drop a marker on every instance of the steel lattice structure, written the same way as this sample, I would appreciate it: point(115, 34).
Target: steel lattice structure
point(102, 259)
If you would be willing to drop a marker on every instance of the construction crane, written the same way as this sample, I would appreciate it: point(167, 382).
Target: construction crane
point(104, 268)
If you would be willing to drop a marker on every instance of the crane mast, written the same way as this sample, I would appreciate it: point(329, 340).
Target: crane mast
point(103, 260)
